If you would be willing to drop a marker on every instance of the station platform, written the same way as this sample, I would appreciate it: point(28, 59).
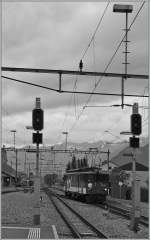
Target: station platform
point(12, 232)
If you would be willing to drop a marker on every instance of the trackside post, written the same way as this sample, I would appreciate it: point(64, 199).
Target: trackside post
point(37, 123)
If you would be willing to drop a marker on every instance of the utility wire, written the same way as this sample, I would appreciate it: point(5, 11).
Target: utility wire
point(94, 61)
point(78, 117)
point(89, 98)
point(93, 36)
point(115, 52)
point(69, 104)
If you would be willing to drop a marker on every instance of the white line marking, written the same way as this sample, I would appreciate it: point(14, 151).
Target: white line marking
point(39, 233)
point(34, 233)
point(55, 232)
point(29, 233)
point(15, 227)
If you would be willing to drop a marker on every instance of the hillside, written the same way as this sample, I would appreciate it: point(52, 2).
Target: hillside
point(51, 162)
point(142, 156)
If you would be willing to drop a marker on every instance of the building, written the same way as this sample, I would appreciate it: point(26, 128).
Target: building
point(7, 172)
point(123, 164)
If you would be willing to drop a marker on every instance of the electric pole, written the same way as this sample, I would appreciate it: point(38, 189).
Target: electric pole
point(120, 8)
point(136, 125)
point(16, 153)
point(108, 154)
point(37, 124)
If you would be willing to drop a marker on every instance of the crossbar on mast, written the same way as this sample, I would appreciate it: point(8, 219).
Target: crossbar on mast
point(70, 72)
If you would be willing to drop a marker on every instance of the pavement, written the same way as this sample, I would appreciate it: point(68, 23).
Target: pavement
point(18, 209)
point(13, 232)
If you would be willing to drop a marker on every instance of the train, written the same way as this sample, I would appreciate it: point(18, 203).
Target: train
point(87, 184)
point(28, 185)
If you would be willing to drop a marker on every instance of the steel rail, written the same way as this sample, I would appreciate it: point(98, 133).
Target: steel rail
point(125, 213)
point(93, 228)
point(73, 229)
point(119, 211)
point(70, 72)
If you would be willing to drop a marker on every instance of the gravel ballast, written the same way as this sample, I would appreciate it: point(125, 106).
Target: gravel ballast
point(113, 226)
point(17, 209)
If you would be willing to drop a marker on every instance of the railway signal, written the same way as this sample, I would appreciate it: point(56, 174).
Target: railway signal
point(134, 142)
point(37, 138)
point(37, 119)
point(136, 124)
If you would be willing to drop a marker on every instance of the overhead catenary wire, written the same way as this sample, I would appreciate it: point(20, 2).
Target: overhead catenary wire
point(116, 105)
point(110, 61)
point(66, 114)
point(116, 51)
point(54, 90)
point(97, 27)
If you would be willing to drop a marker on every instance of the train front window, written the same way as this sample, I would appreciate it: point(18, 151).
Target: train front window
point(102, 178)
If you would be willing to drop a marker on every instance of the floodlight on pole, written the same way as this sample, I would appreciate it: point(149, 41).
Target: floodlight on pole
point(121, 8)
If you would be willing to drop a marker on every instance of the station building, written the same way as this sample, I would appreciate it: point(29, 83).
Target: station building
point(122, 164)
point(7, 172)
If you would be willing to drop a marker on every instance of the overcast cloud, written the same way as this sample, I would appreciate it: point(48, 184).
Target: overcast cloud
point(55, 35)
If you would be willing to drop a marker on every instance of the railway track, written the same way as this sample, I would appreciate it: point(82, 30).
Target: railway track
point(117, 210)
point(78, 225)
point(11, 191)
point(126, 214)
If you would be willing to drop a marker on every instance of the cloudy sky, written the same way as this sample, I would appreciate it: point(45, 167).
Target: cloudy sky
point(55, 36)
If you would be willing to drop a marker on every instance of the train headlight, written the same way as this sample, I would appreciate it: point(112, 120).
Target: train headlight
point(105, 189)
point(90, 185)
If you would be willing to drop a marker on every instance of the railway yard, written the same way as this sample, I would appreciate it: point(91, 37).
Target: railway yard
point(62, 218)
point(75, 104)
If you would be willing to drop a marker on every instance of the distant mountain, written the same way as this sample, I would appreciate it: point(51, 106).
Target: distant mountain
point(48, 159)
point(142, 156)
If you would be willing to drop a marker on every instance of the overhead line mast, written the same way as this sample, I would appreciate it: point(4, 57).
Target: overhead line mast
point(124, 9)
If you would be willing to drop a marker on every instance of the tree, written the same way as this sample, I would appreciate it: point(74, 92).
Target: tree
point(50, 179)
point(73, 162)
point(68, 166)
point(118, 175)
point(85, 162)
point(82, 163)
point(79, 163)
